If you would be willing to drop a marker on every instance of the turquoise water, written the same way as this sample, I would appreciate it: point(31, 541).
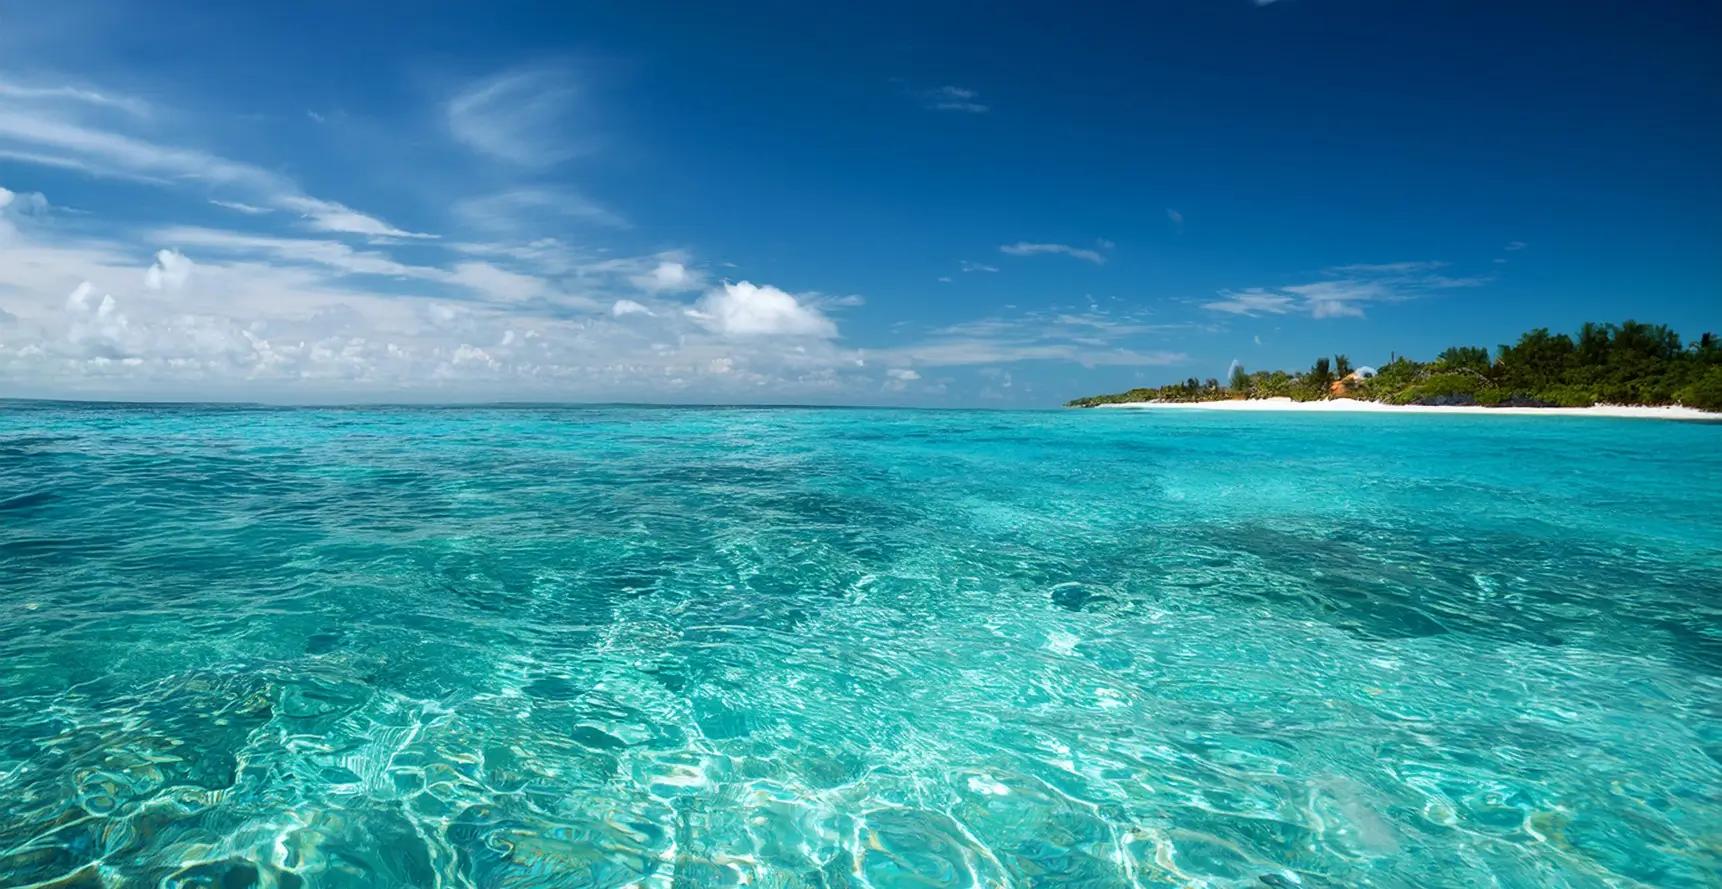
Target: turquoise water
point(711, 647)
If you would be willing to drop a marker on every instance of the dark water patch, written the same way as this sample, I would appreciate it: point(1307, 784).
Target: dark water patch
point(27, 501)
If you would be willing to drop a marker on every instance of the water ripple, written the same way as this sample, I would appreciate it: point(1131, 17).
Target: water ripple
point(520, 647)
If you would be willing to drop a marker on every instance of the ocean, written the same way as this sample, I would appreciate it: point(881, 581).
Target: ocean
point(632, 646)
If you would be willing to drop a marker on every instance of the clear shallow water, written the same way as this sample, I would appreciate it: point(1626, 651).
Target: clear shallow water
point(620, 646)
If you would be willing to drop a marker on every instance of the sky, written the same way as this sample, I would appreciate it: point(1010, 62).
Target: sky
point(924, 203)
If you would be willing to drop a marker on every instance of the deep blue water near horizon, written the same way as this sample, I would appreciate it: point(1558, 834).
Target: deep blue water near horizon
point(617, 646)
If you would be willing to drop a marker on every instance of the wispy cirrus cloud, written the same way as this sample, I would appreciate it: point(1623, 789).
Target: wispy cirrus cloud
point(52, 94)
point(1086, 336)
point(331, 216)
point(1028, 248)
point(529, 116)
point(534, 207)
point(241, 207)
point(55, 127)
point(953, 98)
point(1344, 292)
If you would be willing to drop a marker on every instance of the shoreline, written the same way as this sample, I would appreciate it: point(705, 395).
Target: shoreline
point(1352, 405)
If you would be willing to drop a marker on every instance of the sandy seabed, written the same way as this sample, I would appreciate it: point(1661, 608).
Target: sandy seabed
point(1352, 405)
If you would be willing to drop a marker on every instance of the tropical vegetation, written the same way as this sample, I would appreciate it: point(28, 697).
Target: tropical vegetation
point(1626, 363)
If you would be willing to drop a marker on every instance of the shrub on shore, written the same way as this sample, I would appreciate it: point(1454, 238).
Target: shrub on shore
point(1626, 363)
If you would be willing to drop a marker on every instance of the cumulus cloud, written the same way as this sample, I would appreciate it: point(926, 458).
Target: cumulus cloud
point(748, 310)
point(897, 379)
point(666, 276)
point(169, 272)
point(22, 203)
point(15, 206)
point(302, 319)
point(95, 324)
point(1026, 248)
point(308, 297)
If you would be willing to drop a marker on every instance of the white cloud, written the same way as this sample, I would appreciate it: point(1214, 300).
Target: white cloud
point(333, 255)
point(498, 283)
point(1344, 293)
point(101, 152)
point(1334, 308)
point(55, 94)
point(897, 379)
point(525, 116)
point(1386, 268)
point(305, 319)
point(16, 205)
point(1087, 337)
point(954, 98)
point(51, 129)
point(1176, 218)
point(666, 276)
point(245, 328)
point(330, 216)
point(1252, 301)
point(1515, 246)
point(745, 309)
point(241, 207)
point(21, 203)
point(95, 326)
point(532, 209)
point(951, 353)
point(1025, 248)
point(968, 266)
point(169, 272)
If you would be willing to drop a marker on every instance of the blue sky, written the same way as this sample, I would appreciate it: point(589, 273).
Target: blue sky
point(893, 203)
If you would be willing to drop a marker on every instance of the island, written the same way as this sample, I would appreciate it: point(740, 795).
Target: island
point(1645, 368)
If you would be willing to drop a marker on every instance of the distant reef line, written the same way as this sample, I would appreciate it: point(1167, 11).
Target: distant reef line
point(1630, 364)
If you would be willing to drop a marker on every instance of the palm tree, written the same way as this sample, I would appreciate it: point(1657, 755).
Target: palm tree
point(1341, 366)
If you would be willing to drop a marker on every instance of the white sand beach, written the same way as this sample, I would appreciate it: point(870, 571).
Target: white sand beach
point(1352, 405)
